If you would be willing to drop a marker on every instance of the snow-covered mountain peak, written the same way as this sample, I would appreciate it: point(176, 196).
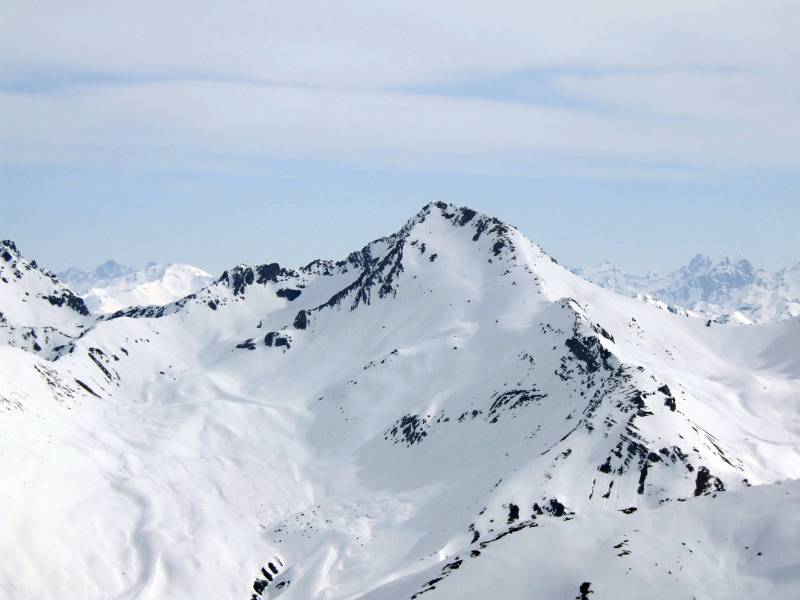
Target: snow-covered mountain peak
point(112, 269)
point(37, 311)
point(82, 281)
point(8, 249)
point(439, 238)
point(444, 402)
point(25, 283)
point(443, 246)
point(699, 262)
point(14, 264)
point(469, 222)
point(241, 276)
point(735, 272)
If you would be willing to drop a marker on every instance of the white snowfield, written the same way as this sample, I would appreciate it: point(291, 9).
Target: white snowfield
point(447, 413)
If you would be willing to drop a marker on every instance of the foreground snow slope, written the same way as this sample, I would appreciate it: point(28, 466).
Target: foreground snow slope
point(446, 413)
point(742, 544)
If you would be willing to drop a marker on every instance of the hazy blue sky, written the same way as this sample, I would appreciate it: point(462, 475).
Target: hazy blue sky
point(296, 216)
point(214, 133)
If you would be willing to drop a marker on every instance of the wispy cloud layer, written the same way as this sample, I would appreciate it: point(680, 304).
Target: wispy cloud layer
point(632, 88)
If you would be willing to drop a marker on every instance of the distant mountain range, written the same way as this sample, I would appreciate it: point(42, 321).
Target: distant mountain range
point(111, 286)
point(725, 290)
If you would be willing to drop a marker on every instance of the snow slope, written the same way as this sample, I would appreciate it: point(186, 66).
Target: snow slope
point(112, 287)
point(723, 291)
point(446, 413)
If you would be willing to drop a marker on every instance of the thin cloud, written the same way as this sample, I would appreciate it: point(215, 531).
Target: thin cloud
point(667, 87)
point(293, 122)
point(369, 44)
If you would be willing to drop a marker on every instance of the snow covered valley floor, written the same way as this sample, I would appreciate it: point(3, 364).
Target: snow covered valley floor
point(446, 413)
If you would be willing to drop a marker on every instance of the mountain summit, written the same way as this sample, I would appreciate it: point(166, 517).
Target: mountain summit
point(445, 413)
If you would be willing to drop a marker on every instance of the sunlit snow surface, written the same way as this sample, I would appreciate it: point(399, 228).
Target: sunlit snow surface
point(447, 413)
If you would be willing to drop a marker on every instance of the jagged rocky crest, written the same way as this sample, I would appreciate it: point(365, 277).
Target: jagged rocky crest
point(38, 313)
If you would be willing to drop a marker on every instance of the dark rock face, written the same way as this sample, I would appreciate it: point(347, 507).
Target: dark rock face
point(584, 591)
point(467, 215)
point(642, 477)
point(707, 483)
point(512, 400)
point(248, 344)
point(269, 272)
point(385, 274)
point(70, 300)
point(148, 311)
point(259, 585)
point(552, 507)
point(10, 251)
point(278, 340)
point(498, 246)
point(463, 217)
point(585, 346)
point(268, 576)
point(669, 402)
point(591, 352)
point(632, 452)
point(288, 293)
point(102, 362)
point(301, 320)
point(238, 278)
point(379, 274)
point(87, 388)
point(409, 429)
point(513, 513)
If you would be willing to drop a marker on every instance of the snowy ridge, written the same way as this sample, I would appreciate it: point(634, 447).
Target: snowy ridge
point(37, 312)
point(426, 418)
